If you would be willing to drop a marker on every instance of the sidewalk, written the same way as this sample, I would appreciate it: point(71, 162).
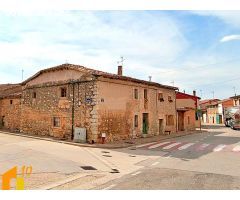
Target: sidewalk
point(114, 145)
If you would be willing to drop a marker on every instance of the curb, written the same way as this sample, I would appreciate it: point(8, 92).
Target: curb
point(96, 146)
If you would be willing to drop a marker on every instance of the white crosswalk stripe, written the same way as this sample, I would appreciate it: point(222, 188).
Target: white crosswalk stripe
point(220, 147)
point(203, 146)
point(158, 145)
point(144, 145)
point(172, 145)
point(185, 146)
point(236, 149)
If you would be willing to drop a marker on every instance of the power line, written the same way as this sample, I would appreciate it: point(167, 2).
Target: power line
point(222, 82)
point(200, 66)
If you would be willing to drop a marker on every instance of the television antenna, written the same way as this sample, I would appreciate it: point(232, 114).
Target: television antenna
point(121, 61)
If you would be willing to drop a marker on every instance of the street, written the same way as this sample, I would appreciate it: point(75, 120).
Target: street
point(207, 160)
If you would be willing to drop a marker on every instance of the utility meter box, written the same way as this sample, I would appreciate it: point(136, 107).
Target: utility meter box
point(80, 135)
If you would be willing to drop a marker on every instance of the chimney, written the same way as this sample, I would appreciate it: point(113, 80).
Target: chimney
point(120, 68)
point(150, 78)
point(194, 92)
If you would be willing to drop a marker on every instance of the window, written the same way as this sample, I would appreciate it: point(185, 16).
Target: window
point(235, 102)
point(170, 99)
point(136, 121)
point(34, 95)
point(63, 92)
point(56, 121)
point(160, 97)
point(145, 94)
point(135, 93)
point(169, 120)
point(188, 120)
point(11, 101)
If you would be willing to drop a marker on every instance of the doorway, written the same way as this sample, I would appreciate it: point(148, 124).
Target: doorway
point(145, 123)
point(160, 125)
point(2, 122)
point(181, 121)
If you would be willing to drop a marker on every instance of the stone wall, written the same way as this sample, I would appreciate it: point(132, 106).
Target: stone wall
point(38, 113)
point(10, 114)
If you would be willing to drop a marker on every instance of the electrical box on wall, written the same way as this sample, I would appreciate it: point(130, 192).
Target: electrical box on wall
point(80, 135)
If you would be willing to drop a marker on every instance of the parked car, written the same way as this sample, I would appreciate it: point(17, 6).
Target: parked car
point(232, 117)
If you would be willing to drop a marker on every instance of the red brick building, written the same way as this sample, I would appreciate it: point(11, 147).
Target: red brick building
point(187, 106)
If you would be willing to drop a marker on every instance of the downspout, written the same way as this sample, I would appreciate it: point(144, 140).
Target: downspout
point(73, 103)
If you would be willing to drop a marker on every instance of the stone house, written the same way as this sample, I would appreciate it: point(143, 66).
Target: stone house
point(10, 106)
point(187, 106)
point(58, 100)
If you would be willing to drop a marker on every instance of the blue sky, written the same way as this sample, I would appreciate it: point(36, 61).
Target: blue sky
point(198, 50)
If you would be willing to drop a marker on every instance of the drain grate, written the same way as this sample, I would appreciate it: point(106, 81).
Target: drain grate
point(88, 168)
point(106, 155)
point(105, 152)
point(114, 171)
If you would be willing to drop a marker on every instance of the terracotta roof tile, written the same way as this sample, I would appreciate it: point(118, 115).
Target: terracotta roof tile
point(97, 73)
point(10, 90)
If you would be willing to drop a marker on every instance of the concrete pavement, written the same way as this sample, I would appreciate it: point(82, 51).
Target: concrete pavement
point(207, 160)
point(175, 164)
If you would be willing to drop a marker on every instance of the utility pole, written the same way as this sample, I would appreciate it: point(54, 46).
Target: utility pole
point(213, 94)
point(234, 90)
point(22, 74)
point(201, 93)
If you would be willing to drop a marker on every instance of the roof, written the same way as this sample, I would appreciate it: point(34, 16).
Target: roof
point(208, 101)
point(179, 94)
point(235, 97)
point(6, 86)
point(10, 90)
point(224, 100)
point(98, 74)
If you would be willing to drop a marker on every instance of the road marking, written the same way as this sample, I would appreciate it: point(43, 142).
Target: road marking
point(158, 145)
point(134, 174)
point(156, 163)
point(236, 149)
point(148, 144)
point(202, 147)
point(219, 148)
point(172, 145)
point(185, 146)
point(110, 187)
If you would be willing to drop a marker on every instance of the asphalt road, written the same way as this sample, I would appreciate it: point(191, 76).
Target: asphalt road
point(200, 161)
point(207, 160)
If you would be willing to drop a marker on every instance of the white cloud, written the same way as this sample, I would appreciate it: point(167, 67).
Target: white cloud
point(229, 17)
point(94, 39)
point(230, 38)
